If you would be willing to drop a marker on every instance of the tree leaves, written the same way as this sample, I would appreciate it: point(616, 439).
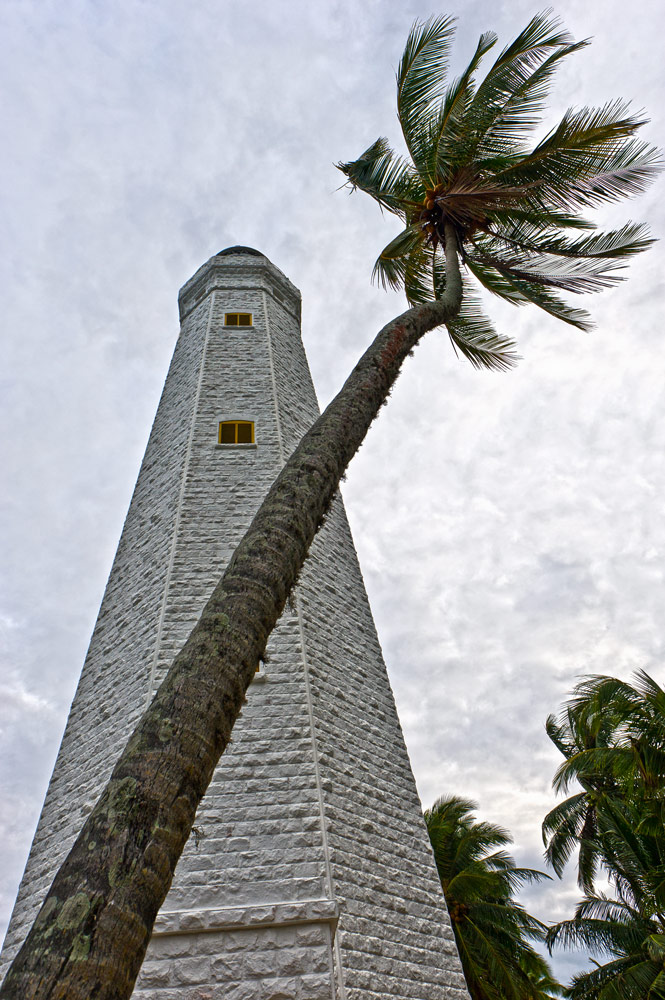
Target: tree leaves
point(387, 178)
point(612, 736)
point(493, 931)
point(474, 336)
point(421, 81)
point(511, 206)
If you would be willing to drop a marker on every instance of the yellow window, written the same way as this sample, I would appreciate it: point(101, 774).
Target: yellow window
point(237, 319)
point(236, 432)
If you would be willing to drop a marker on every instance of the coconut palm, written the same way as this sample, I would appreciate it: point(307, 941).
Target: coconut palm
point(510, 207)
point(491, 929)
point(573, 824)
point(476, 197)
point(626, 928)
point(612, 735)
point(632, 717)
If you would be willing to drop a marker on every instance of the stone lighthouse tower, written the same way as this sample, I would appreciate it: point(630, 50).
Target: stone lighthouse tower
point(309, 874)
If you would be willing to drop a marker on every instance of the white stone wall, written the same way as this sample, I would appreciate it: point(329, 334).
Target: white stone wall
point(309, 874)
point(112, 690)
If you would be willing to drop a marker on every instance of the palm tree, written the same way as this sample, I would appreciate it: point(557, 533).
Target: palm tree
point(492, 930)
point(573, 824)
point(612, 735)
point(627, 927)
point(497, 209)
point(632, 719)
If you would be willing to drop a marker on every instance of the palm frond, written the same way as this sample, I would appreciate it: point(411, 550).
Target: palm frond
point(561, 732)
point(389, 179)
point(496, 283)
point(551, 303)
point(481, 838)
point(624, 979)
point(504, 137)
point(598, 129)
point(528, 47)
point(421, 79)
point(650, 691)
point(519, 291)
point(590, 157)
point(451, 122)
point(568, 275)
point(609, 936)
point(615, 244)
point(579, 767)
point(610, 982)
point(657, 984)
point(562, 832)
point(393, 263)
point(474, 336)
point(515, 85)
point(627, 172)
point(612, 735)
point(507, 919)
point(492, 931)
point(418, 283)
point(544, 220)
point(497, 958)
point(598, 906)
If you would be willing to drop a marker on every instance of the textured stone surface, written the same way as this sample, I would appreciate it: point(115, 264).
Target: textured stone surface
point(309, 874)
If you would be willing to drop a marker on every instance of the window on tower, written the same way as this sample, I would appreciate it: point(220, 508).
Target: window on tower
point(236, 432)
point(237, 319)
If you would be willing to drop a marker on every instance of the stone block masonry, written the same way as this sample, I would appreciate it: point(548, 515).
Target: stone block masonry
point(309, 873)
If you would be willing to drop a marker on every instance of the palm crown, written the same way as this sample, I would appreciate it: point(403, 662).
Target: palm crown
point(612, 736)
point(479, 880)
point(512, 206)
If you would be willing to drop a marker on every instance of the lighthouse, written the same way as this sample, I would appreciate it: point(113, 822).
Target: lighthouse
point(308, 874)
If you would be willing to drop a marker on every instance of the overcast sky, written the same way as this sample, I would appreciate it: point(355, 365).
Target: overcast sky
point(510, 527)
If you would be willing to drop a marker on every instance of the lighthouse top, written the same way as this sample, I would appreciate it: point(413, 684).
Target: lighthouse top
point(238, 267)
point(234, 251)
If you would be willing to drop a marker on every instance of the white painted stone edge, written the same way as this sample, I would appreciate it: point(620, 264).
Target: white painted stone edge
point(229, 918)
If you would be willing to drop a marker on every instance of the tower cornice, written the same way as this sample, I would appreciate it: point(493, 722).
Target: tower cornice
point(238, 268)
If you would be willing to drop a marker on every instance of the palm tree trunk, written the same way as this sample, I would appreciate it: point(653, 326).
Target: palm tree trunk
point(91, 934)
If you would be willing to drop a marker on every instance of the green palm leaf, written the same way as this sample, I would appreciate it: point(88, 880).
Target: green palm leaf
point(544, 270)
point(392, 264)
point(562, 832)
point(612, 735)
point(519, 291)
point(386, 177)
point(421, 80)
point(657, 987)
point(515, 101)
point(608, 982)
point(449, 130)
point(474, 336)
point(520, 112)
point(509, 100)
point(613, 245)
point(552, 304)
point(493, 932)
point(590, 157)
